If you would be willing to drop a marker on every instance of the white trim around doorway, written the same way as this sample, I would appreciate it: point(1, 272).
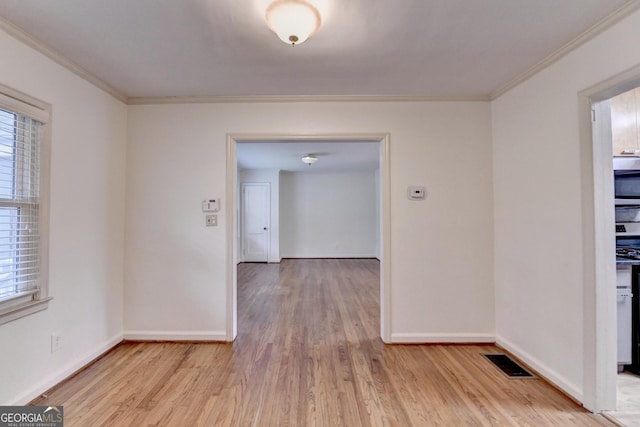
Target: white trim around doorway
point(599, 316)
point(231, 211)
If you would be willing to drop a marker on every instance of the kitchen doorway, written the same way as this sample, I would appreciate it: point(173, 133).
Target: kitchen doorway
point(624, 111)
point(599, 265)
point(232, 210)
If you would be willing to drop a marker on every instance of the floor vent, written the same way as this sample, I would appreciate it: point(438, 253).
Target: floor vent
point(510, 368)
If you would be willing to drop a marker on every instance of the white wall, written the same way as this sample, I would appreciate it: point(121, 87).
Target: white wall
point(537, 156)
point(441, 260)
point(86, 228)
point(329, 215)
point(272, 177)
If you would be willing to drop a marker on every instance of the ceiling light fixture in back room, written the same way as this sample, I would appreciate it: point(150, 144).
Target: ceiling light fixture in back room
point(309, 159)
point(293, 20)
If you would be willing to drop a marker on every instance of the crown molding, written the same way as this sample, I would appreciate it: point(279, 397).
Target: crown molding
point(300, 98)
point(26, 38)
point(599, 27)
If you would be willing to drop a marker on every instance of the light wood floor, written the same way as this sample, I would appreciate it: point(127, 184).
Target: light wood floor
point(308, 353)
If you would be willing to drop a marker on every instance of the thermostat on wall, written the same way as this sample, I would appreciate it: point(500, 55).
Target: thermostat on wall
point(416, 192)
point(210, 205)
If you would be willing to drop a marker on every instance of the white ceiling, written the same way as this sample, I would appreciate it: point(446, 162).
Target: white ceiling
point(429, 48)
point(333, 156)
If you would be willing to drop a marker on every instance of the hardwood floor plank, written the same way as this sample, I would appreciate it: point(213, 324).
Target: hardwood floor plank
point(308, 353)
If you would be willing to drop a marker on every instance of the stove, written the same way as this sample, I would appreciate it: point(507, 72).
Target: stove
point(628, 229)
point(628, 252)
point(628, 240)
point(627, 217)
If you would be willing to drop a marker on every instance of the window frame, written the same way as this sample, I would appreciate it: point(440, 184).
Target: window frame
point(20, 103)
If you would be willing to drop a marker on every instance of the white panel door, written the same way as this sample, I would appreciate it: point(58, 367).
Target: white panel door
point(255, 221)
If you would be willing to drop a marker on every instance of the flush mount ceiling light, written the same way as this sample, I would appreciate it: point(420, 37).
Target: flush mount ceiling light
point(309, 159)
point(292, 20)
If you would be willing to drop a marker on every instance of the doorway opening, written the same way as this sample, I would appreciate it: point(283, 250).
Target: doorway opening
point(599, 261)
point(234, 199)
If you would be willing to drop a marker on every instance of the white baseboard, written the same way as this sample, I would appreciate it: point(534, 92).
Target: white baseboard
point(329, 256)
point(64, 373)
point(435, 338)
point(175, 336)
point(545, 371)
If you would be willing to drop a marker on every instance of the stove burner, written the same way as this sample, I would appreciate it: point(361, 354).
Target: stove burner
point(628, 252)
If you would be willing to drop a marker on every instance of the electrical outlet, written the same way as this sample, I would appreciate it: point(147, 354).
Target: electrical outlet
point(212, 220)
point(56, 341)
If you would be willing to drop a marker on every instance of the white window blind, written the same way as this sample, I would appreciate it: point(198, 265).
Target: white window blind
point(20, 138)
point(25, 141)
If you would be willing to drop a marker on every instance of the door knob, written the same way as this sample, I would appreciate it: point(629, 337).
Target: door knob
point(264, 228)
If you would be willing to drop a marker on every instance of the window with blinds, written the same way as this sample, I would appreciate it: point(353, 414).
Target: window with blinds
point(21, 284)
point(19, 205)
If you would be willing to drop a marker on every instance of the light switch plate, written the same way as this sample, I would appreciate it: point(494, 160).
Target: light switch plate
point(211, 220)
